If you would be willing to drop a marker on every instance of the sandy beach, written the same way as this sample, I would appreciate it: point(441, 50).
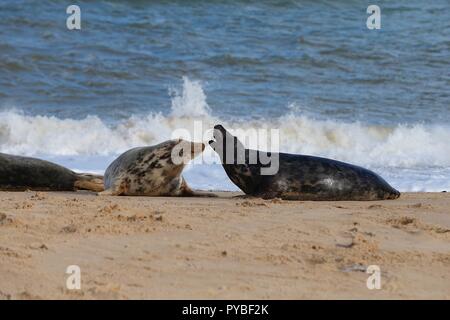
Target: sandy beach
point(222, 248)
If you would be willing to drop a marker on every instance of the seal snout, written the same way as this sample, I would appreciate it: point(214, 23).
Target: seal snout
point(219, 127)
point(218, 134)
point(219, 130)
point(197, 148)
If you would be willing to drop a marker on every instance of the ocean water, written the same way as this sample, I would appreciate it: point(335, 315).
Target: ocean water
point(139, 70)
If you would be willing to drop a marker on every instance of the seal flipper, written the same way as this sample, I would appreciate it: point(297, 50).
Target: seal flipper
point(110, 192)
point(89, 182)
point(115, 190)
point(107, 192)
point(244, 196)
point(185, 191)
point(205, 194)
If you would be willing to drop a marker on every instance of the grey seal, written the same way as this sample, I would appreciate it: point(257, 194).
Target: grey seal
point(299, 177)
point(153, 171)
point(19, 173)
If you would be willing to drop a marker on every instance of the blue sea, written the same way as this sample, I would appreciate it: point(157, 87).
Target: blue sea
point(139, 70)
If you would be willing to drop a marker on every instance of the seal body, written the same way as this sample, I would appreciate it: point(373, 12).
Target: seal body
point(299, 177)
point(23, 173)
point(152, 171)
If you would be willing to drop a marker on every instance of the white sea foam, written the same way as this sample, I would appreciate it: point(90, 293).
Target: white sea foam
point(412, 157)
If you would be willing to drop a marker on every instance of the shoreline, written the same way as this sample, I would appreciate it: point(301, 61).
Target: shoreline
point(222, 248)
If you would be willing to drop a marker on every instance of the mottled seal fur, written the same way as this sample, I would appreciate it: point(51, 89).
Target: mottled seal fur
point(151, 171)
point(23, 173)
point(299, 177)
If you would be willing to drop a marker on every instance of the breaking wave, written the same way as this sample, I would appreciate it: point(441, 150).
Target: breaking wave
point(409, 147)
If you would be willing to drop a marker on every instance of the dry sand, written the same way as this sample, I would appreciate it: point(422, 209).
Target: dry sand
point(222, 248)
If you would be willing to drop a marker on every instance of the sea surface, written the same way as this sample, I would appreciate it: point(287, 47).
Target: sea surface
point(139, 70)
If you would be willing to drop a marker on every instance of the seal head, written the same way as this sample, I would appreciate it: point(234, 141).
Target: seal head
point(235, 160)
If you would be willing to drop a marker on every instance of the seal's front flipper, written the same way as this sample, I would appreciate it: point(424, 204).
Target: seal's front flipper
point(89, 182)
point(107, 192)
point(244, 196)
point(115, 190)
point(186, 191)
point(205, 194)
point(110, 192)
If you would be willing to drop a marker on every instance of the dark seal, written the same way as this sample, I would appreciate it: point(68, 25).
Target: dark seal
point(24, 173)
point(299, 177)
point(153, 170)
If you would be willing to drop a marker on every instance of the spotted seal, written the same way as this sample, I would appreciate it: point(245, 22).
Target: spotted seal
point(153, 170)
point(24, 173)
point(299, 177)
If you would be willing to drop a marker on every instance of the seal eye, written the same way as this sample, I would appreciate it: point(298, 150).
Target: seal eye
point(180, 153)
